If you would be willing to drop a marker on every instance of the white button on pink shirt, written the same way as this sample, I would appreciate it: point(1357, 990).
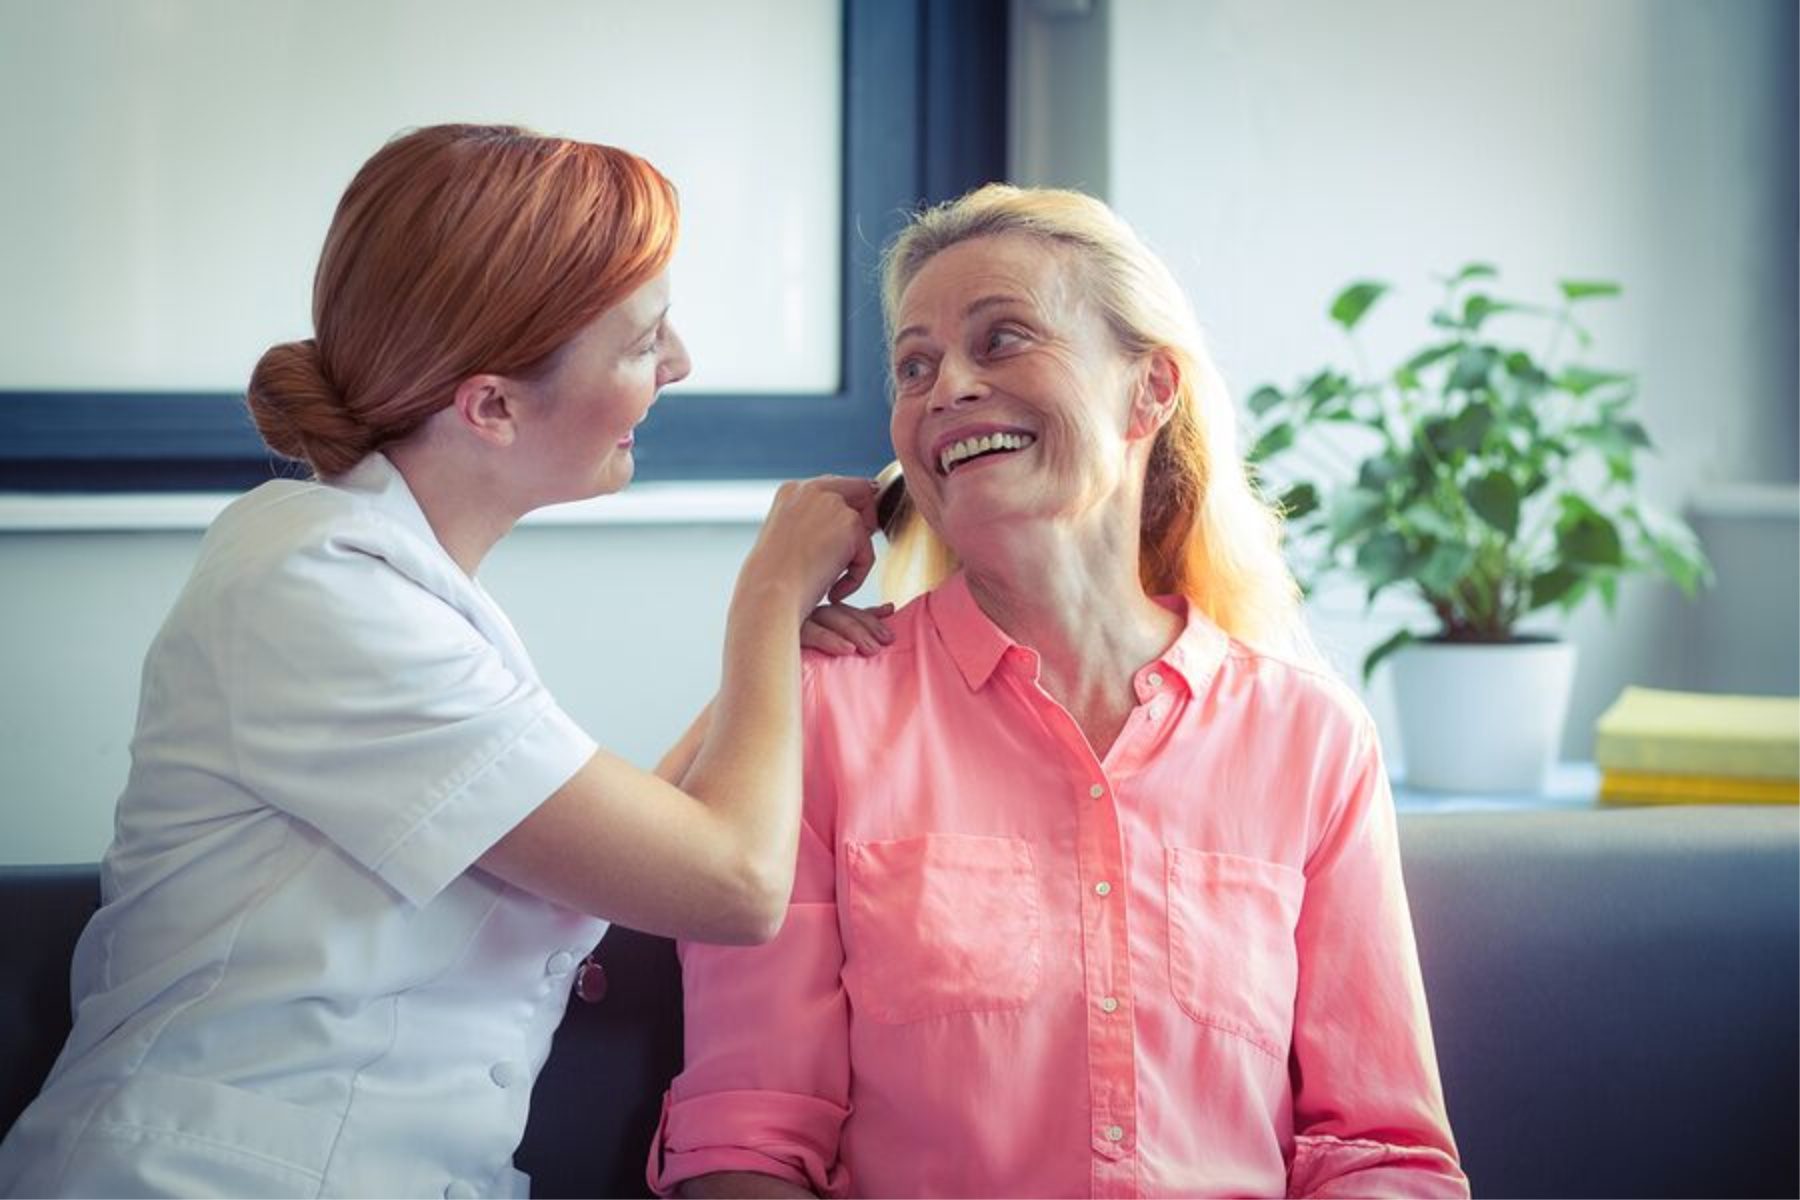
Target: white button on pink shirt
point(298, 984)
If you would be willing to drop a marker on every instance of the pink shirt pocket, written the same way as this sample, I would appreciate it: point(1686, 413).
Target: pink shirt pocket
point(1232, 958)
point(940, 924)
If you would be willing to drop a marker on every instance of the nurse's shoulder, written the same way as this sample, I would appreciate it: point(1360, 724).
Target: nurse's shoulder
point(301, 539)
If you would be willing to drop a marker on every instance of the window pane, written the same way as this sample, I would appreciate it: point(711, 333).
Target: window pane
point(173, 165)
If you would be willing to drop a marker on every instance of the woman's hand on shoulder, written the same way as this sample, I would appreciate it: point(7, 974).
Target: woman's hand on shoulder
point(840, 629)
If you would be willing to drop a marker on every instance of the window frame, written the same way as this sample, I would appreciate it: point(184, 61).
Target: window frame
point(924, 119)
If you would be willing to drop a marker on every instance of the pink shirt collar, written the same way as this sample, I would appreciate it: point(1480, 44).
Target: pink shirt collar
point(978, 646)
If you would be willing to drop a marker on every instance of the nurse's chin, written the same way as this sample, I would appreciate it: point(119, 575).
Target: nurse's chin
point(614, 475)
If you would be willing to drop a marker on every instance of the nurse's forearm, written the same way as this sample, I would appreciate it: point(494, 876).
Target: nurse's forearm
point(673, 766)
point(747, 768)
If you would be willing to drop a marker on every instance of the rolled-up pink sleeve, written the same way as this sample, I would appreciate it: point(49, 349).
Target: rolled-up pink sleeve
point(767, 1079)
point(1369, 1115)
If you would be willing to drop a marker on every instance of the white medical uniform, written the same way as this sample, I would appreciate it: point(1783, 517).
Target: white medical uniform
point(297, 984)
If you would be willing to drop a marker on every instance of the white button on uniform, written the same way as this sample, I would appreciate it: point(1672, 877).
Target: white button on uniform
point(1157, 709)
point(1103, 888)
point(1108, 1004)
point(561, 963)
point(1155, 680)
point(1097, 791)
point(507, 1074)
point(1114, 1133)
point(460, 1190)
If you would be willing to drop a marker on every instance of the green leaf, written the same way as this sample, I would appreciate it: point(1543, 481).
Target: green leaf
point(1264, 398)
point(1553, 585)
point(1677, 551)
point(1587, 289)
point(1472, 367)
point(1473, 425)
point(1448, 563)
point(1587, 538)
point(1462, 433)
point(1378, 472)
point(1478, 308)
point(1429, 356)
point(1321, 390)
point(1579, 381)
point(1354, 512)
point(1495, 499)
point(1427, 519)
point(1274, 440)
point(1383, 559)
point(1474, 270)
point(1608, 584)
point(1618, 440)
point(1404, 638)
point(1354, 301)
point(1299, 500)
point(1523, 368)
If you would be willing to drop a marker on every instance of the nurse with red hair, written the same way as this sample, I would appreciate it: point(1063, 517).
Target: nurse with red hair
point(362, 850)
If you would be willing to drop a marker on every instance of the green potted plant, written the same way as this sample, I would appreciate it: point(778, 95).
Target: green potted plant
point(1494, 482)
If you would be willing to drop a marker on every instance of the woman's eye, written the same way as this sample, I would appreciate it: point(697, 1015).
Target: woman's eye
point(909, 370)
point(1002, 337)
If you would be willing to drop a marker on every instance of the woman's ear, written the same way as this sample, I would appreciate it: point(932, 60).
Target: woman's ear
point(1153, 401)
point(485, 409)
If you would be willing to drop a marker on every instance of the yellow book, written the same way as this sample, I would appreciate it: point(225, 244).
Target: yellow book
point(1693, 733)
point(1648, 787)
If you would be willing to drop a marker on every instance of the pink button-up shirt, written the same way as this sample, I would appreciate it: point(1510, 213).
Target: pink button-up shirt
point(1014, 967)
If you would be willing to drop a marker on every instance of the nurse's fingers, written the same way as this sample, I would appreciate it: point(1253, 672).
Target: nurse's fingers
point(860, 494)
point(862, 561)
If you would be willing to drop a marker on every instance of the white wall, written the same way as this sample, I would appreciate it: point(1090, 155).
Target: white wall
point(624, 624)
point(1273, 151)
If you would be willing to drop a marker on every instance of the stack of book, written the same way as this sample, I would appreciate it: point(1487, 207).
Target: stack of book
point(1659, 747)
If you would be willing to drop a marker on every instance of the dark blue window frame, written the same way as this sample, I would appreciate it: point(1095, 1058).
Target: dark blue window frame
point(924, 118)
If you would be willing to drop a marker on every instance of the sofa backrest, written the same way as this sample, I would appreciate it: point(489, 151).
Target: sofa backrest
point(1614, 995)
point(42, 911)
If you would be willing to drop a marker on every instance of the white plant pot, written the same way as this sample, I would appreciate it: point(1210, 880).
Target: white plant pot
point(1482, 717)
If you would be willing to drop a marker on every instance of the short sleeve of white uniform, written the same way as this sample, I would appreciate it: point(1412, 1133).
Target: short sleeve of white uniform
point(371, 706)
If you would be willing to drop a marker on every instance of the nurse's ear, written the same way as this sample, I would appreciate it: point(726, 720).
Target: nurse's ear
point(484, 408)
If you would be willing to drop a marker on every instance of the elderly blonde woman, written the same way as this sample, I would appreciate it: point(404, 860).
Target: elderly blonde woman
point(1098, 890)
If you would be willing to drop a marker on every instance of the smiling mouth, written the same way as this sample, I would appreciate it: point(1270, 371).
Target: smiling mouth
point(991, 445)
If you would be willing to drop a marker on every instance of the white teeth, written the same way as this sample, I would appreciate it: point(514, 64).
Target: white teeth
point(969, 447)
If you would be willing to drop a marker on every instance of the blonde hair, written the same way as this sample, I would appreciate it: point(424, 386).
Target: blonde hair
point(456, 250)
point(1207, 533)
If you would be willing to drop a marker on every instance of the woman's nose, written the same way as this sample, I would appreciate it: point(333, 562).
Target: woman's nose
point(959, 382)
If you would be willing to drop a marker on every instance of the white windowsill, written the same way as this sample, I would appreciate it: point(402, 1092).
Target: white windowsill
point(1570, 786)
point(712, 503)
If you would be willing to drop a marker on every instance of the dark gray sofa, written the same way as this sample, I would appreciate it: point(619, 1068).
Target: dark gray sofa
point(1615, 995)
